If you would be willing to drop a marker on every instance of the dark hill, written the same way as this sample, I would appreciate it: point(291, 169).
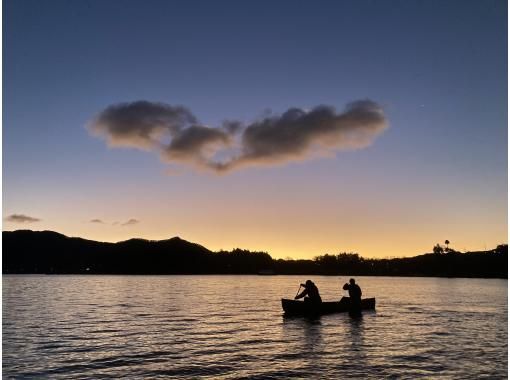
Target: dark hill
point(26, 251)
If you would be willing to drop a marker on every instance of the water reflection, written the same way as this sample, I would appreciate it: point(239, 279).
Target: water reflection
point(232, 327)
point(356, 333)
point(308, 349)
point(309, 329)
point(312, 332)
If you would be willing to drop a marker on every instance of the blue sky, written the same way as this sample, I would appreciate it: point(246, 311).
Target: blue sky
point(438, 69)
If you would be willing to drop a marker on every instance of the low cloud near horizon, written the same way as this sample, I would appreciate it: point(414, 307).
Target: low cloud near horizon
point(130, 222)
point(175, 134)
point(20, 218)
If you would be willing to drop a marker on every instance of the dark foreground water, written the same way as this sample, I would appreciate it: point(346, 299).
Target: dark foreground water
point(232, 327)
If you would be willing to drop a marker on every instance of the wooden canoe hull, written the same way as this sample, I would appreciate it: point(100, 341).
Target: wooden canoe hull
point(294, 307)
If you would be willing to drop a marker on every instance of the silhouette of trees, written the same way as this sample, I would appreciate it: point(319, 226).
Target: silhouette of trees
point(53, 253)
point(438, 249)
point(339, 263)
point(501, 249)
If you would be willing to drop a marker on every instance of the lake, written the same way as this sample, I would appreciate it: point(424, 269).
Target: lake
point(232, 327)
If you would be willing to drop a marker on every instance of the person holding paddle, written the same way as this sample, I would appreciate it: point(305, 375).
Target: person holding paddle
point(354, 295)
point(311, 292)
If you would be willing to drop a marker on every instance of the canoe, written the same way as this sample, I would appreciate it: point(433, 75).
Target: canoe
point(294, 307)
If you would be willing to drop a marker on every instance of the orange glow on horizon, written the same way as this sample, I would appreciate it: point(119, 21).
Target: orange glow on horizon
point(294, 243)
point(296, 218)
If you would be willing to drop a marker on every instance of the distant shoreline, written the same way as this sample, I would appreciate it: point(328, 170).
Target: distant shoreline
point(48, 252)
point(236, 274)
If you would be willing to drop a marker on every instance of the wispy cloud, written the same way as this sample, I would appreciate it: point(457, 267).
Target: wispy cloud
point(174, 133)
point(130, 222)
point(20, 218)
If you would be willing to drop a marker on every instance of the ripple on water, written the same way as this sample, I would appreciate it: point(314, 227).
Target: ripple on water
point(55, 327)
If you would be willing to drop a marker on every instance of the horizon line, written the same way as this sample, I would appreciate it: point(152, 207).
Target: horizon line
point(265, 251)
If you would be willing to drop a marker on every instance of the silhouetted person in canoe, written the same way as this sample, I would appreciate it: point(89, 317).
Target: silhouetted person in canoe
point(354, 295)
point(311, 293)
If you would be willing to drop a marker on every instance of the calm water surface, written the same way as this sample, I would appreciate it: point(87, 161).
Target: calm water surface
point(232, 327)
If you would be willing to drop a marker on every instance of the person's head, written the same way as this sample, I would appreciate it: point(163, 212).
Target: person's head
point(352, 281)
point(308, 283)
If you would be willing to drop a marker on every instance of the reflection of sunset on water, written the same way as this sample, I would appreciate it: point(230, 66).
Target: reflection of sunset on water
point(196, 326)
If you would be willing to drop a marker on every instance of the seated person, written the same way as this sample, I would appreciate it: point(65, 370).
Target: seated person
point(311, 293)
point(354, 295)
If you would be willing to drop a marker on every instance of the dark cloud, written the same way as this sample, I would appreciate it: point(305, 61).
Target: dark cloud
point(140, 124)
point(130, 222)
point(196, 144)
point(99, 221)
point(175, 134)
point(20, 218)
point(232, 126)
point(299, 134)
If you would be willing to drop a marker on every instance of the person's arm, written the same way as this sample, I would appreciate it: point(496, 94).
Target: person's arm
point(302, 294)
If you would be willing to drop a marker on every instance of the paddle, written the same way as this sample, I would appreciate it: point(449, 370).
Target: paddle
point(300, 285)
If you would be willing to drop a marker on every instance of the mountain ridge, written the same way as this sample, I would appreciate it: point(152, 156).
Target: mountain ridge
point(50, 252)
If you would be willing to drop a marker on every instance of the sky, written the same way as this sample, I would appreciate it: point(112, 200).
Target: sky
point(298, 128)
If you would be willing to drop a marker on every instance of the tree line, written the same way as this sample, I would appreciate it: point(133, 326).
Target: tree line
point(48, 252)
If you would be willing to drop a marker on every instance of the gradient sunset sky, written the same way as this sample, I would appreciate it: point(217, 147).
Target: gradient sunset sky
point(434, 167)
